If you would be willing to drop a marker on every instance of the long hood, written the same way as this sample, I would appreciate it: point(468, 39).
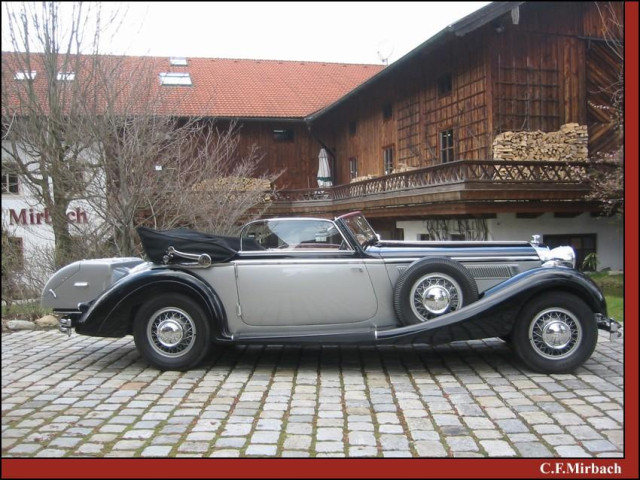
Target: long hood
point(455, 250)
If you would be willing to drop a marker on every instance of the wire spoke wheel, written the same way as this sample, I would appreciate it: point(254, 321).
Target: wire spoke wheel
point(432, 287)
point(435, 294)
point(555, 333)
point(172, 332)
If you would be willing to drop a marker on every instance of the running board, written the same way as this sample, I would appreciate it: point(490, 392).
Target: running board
point(309, 337)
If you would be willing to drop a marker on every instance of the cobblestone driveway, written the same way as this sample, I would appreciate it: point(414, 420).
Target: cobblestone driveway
point(83, 396)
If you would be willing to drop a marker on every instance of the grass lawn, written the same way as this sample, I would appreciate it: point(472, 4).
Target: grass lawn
point(613, 288)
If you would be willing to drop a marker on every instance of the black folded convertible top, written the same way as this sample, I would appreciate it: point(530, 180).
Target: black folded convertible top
point(156, 243)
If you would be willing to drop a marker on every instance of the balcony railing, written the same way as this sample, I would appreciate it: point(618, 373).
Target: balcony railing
point(491, 172)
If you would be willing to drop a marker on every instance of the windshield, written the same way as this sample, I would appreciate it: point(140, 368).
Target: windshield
point(360, 229)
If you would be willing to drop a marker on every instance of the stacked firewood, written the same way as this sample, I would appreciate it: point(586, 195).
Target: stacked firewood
point(362, 178)
point(403, 167)
point(567, 144)
point(233, 184)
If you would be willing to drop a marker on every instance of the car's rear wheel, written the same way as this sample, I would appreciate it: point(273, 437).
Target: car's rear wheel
point(172, 333)
point(433, 287)
point(555, 333)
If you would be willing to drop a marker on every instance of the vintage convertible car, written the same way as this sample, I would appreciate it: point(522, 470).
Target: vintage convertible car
point(302, 280)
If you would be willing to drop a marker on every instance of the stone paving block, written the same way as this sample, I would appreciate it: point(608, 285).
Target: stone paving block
point(326, 447)
point(330, 434)
point(297, 442)
point(461, 444)
point(430, 449)
point(571, 451)
point(358, 451)
point(156, 451)
point(532, 449)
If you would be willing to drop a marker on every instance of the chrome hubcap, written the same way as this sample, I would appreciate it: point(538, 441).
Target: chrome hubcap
point(171, 331)
point(555, 333)
point(436, 299)
point(435, 294)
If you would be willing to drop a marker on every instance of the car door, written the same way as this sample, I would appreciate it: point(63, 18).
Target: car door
point(301, 272)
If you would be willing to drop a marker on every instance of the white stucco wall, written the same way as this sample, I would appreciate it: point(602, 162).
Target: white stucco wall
point(609, 232)
point(24, 217)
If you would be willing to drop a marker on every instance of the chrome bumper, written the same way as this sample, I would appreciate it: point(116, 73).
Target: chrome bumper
point(610, 325)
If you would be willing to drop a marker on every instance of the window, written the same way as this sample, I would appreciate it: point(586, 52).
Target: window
point(583, 244)
point(425, 237)
point(446, 146)
point(353, 168)
point(388, 160)
point(283, 134)
point(287, 234)
point(353, 128)
point(66, 76)
point(458, 237)
point(10, 182)
point(175, 78)
point(13, 252)
point(178, 61)
point(445, 85)
point(24, 75)
point(387, 111)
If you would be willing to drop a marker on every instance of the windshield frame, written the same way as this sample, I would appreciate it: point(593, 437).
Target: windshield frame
point(359, 229)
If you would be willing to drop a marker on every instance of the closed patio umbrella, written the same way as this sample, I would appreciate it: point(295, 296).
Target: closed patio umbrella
point(324, 172)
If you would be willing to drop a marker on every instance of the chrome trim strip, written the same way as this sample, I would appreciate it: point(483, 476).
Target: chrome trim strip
point(466, 259)
point(297, 253)
point(450, 243)
point(285, 261)
point(384, 261)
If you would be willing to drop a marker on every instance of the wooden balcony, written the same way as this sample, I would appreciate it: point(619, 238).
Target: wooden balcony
point(461, 187)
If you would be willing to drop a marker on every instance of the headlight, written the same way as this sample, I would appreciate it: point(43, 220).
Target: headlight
point(558, 257)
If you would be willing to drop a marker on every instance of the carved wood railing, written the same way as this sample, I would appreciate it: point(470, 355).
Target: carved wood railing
point(494, 172)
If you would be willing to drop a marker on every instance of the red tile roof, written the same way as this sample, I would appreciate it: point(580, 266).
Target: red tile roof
point(229, 87)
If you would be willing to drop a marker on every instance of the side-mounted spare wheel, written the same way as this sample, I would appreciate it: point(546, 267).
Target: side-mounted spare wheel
point(555, 333)
point(432, 287)
point(172, 332)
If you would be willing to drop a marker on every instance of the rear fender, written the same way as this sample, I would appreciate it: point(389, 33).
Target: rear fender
point(112, 314)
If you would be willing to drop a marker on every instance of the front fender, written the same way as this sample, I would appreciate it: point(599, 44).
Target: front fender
point(113, 312)
point(495, 313)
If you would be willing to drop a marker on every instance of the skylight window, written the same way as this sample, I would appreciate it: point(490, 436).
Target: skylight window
point(25, 75)
point(175, 78)
point(178, 61)
point(67, 76)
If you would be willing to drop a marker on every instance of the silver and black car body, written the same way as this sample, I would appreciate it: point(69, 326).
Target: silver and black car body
point(311, 280)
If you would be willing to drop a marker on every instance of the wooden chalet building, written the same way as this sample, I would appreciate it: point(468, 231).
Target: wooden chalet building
point(425, 138)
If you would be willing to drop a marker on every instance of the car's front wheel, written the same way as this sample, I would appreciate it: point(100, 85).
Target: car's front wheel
point(555, 333)
point(172, 333)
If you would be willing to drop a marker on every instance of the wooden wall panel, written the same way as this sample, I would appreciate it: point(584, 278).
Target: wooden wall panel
point(297, 159)
point(505, 77)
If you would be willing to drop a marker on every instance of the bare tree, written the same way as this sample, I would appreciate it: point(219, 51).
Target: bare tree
point(43, 103)
point(155, 166)
point(98, 129)
point(607, 169)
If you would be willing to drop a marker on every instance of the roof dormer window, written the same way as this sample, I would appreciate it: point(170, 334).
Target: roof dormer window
point(175, 78)
point(25, 75)
point(66, 76)
point(178, 61)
